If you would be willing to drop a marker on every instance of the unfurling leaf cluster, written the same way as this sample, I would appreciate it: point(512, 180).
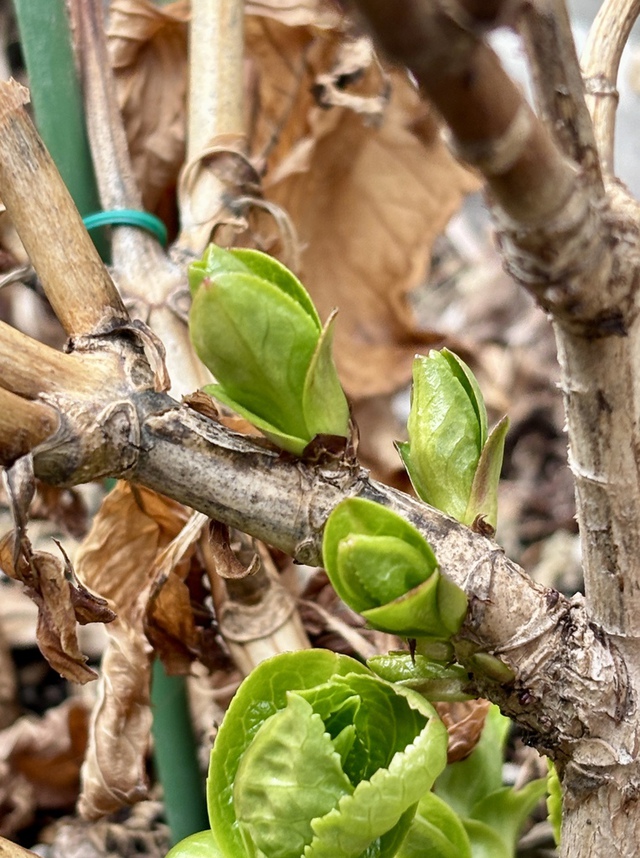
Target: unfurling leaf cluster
point(254, 326)
point(317, 757)
point(382, 567)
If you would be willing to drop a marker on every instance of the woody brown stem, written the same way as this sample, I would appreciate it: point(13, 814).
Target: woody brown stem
point(600, 62)
point(76, 282)
point(491, 125)
point(556, 74)
point(23, 425)
point(29, 368)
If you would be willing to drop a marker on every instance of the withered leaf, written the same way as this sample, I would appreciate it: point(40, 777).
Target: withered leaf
point(114, 771)
point(46, 583)
point(298, 13)
point(367, 211)
point(367, 198)
point(138, 543)
point(148, 47)
point(464, 722)
point(40, 762)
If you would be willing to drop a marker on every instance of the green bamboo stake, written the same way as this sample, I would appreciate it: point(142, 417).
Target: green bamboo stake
point(174, 756)
point(57, 101)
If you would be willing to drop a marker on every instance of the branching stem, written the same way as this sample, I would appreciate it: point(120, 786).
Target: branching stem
point(600, 62)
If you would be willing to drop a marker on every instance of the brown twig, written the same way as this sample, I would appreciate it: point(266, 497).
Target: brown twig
point(555, 69)
point(215, 120)
point(23, 425)
point(491, 125)
point(76, 282)
point(144, 272)
point(600, 62)
point(29, 368)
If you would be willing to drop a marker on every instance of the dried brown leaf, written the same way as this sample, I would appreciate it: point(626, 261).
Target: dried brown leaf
point(148, 49)
point(114, 771)
point(293, 13)
point(40, 759)
point(368, 186)
point(12, 850)
point(47, 583)
point(50, 582)
point(140, 543)
point(367, 211)
point(464, 722)
point(169, 620)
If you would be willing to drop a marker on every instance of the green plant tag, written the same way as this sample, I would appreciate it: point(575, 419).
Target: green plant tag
point(254, 326)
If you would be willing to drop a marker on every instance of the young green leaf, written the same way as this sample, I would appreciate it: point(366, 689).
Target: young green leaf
point(289, 775)
point(382, 567)
point(254, 326)
point(262, 694)
point(445, 433)
point(453, 463)
point(435, 681)
point(201, 845)
point(483, 498)
point(436, 831)
point(554, 801)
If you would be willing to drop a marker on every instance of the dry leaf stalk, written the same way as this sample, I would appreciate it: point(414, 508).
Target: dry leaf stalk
point(256, 614)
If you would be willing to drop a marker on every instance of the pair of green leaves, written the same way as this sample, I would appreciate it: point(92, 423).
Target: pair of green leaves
point(316, 758)
point(254, 326)
point(453, 461)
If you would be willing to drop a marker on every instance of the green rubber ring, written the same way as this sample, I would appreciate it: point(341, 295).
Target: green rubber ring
point(129, 217)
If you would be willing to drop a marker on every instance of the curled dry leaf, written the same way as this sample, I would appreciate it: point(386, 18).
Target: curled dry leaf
point(139, 545)
point(464, 722)
point(40, 760)
point(322, 14)
point(147, 45)
point(51, 583)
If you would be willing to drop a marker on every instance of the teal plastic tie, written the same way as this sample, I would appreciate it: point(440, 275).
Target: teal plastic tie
point(129, 217)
